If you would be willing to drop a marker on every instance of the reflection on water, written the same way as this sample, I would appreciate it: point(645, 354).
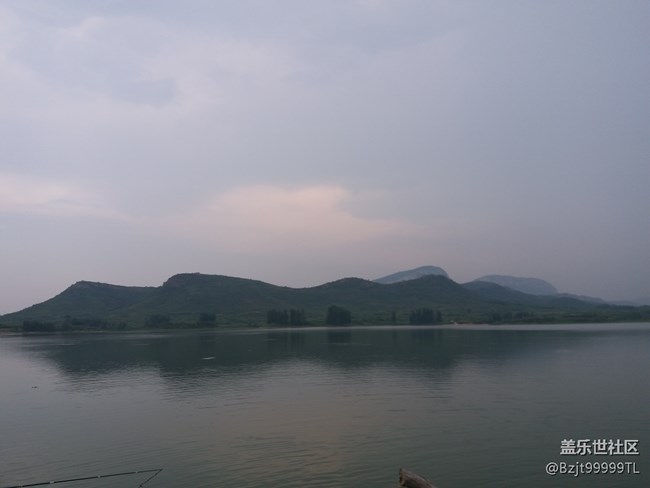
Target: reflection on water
point(481, 406)
point(185, 354)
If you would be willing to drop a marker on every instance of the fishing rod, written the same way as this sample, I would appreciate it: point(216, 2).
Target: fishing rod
point(155, 472)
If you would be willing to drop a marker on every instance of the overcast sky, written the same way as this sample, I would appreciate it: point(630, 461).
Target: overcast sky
point(298, 142)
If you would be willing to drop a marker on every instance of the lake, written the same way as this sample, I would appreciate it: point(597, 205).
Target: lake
point(465, 406)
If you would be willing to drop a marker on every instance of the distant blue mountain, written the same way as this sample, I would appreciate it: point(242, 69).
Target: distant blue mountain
point(532, 286)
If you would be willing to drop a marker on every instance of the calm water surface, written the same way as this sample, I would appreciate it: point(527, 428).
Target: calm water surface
point(464, 406)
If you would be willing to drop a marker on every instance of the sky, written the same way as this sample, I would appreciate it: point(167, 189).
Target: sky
point(302, 142)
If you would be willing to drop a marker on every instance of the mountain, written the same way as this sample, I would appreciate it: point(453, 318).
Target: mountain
point(412, 274)
point(84, 299)
point(194, 299)
point(498, 293)
point(501, 294)
point(586, 298)
point(532, 286)
point(642, 301)
point(184, 298)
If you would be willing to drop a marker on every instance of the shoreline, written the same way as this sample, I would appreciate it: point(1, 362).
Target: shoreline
point(15, 331)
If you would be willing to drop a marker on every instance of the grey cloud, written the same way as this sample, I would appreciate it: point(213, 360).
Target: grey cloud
point(513, 132)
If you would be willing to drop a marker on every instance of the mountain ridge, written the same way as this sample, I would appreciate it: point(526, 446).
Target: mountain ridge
point(411, 274)
point(532, 286)
point(195, 298)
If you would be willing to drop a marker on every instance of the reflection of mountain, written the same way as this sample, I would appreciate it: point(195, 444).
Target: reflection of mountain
point(338, 336)
point(179, 356)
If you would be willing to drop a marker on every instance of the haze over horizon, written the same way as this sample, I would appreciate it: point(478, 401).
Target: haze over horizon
point(301, 142)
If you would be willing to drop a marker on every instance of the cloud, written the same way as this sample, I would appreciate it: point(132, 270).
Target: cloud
point(140, 61)
point(505, 146)
point(25, 194)
point(271, 218)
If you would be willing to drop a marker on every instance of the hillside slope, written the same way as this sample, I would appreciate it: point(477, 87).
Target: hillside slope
point(195, 299)
point(412, 274)
point(185, 297)
point(531, 286)
point(84, 299)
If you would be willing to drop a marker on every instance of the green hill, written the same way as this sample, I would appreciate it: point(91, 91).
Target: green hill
point(239, 301)
point(531, 286)
point(188, 300)
point(84, 299)
point(412, 274)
